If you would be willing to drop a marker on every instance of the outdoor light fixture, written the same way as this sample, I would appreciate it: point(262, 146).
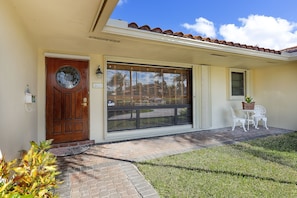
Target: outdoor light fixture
point(99, 73)
point(1, 156)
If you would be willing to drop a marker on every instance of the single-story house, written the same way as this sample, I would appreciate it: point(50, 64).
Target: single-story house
point(151, 81)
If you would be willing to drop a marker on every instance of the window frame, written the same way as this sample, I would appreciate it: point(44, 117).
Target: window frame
point(245, 83)
point(131, 67)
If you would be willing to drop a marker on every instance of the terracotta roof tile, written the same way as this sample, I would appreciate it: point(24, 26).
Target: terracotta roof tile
point(145, 27)
point(188, 36)
point(158, 30)
point(133, 25)
point(180, 34)
point(168, 32)
point(198, 37)
point(206, 39)
point(215, 40)
point(290, 50)
point(230, 43)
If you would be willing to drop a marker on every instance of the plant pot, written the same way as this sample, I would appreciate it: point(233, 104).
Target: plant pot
point(248, 106)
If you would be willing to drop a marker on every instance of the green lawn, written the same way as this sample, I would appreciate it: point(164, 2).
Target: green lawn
point(265, 167)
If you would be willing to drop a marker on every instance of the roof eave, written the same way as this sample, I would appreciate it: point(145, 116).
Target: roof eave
point(121, 28)
point(291, 56)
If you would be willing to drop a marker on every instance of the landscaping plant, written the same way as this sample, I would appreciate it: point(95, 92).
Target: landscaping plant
point(34, 175)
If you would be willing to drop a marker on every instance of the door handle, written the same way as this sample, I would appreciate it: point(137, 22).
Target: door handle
point(85, 102)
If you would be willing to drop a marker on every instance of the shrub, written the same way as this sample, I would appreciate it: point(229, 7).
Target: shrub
point(34, 175)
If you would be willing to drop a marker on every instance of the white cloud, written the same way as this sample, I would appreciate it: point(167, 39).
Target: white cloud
point(202, 26)
point(257, 30)
point(121, 2)
point(263, 31)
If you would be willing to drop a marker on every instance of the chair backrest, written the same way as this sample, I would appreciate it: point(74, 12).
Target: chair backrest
point(259, 110)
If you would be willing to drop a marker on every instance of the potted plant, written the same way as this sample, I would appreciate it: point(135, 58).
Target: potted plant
point(248, 103)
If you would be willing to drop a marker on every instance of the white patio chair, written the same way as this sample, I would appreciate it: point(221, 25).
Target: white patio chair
point(260, 115)
point(237, 119)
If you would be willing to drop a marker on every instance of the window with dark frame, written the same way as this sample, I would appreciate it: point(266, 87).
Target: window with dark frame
point(147, 96)
point(237, 83)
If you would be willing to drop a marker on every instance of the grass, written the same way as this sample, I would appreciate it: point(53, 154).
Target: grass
point(265, 167)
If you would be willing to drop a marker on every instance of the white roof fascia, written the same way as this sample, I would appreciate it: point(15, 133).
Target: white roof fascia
point(121, 28)
point(291, 56)
point(66, 56)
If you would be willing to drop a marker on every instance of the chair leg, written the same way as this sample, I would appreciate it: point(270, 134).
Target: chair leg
point(243, 125)
point(265, 123)
point(253, 123)
point(256, 123)
point(233, 127)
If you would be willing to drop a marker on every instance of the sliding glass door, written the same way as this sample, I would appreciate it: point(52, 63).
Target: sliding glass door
point(144, 96)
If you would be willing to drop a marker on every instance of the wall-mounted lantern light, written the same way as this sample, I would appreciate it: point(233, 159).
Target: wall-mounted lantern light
point(99, 73)
point(1, 156)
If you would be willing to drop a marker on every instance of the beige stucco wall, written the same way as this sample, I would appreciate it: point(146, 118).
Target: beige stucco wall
point(221, 115)
point(18, 63)
point(276, 88)
point(220, 96)
point(220, 103)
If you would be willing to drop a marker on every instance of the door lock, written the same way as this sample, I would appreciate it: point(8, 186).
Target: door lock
point(85, 102)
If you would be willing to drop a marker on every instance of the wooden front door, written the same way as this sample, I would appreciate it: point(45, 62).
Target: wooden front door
point(67, 97)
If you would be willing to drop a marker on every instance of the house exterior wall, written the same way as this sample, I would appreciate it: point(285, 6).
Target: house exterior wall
point(211, 100)
point(220, 102)
point(220, 99)
point(23, 63)
point(276, 88)
point(98, 101)
point(18, 63)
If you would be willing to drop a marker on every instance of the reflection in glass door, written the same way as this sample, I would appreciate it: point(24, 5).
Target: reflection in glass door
point(145, 97)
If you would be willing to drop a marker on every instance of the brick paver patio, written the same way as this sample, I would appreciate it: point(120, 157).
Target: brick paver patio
point(107, 170)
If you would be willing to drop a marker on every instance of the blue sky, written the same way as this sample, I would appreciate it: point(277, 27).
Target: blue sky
point(265, 23)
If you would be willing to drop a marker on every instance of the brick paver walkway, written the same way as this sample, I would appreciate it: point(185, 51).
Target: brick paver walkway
point(107, 170)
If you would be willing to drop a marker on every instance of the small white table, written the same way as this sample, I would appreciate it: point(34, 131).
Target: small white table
point(248, 113)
